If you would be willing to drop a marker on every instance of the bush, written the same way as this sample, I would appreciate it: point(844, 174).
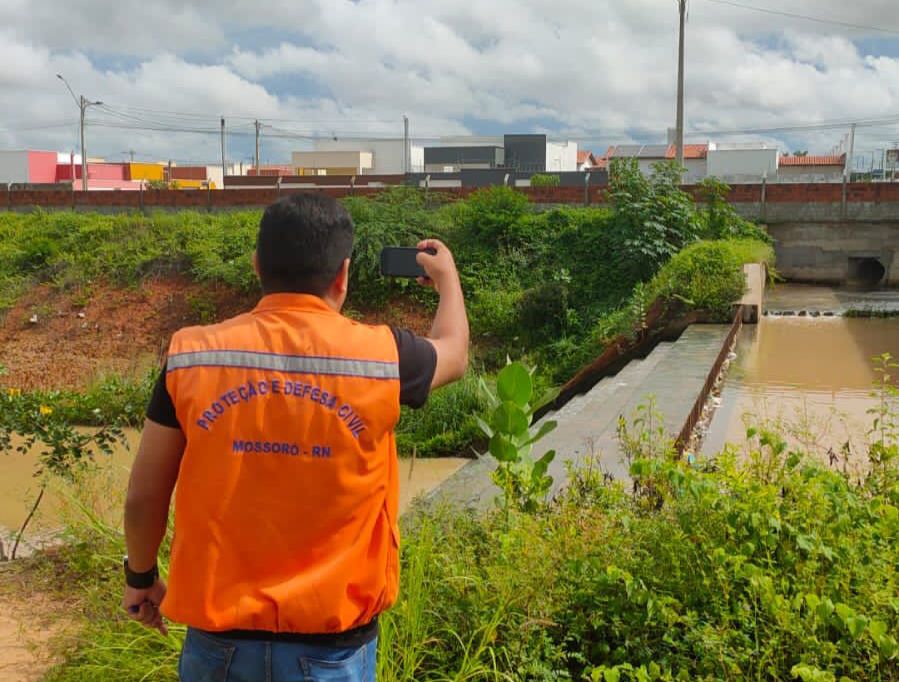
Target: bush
point(489, 215)
point(709, 275)
point(730, 573)
point(543, 311)
point(545, 180)
point(720, 219)
point(446, 425)
point(655, 217)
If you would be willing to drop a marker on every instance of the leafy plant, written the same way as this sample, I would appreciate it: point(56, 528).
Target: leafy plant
point(545, 180)
point(656, 217)
point(62, 448)
point(522, 478)
point(720, 219)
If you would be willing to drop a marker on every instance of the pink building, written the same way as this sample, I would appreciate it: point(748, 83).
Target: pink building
point(99, 175)
point(27, 166)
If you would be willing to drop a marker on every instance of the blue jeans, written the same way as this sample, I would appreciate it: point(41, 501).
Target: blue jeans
point(207, 657)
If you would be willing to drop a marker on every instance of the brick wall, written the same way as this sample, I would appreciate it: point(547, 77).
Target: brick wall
point(877, 201)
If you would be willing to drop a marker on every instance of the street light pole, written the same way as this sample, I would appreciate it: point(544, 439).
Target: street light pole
point(83, 103)
point(223, 151)
point(258, 128)
point(682, 7)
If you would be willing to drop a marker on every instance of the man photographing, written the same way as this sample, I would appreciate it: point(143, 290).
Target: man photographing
point(277, 426)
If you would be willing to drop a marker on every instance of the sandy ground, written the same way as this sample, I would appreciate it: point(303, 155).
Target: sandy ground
point(29, 620)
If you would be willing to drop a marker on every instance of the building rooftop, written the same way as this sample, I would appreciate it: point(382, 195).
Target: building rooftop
point(655, 151)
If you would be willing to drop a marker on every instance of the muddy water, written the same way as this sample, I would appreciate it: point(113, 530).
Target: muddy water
point(812, 376)
point(103, 487)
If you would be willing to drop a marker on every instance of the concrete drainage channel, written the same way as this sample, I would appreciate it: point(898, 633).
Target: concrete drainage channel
point(678, 376)
point(674, 374)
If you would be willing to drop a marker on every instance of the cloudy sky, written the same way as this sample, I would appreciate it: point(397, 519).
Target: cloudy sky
point(598, 71)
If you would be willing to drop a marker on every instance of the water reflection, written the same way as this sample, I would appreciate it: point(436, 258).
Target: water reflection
point(811, 377)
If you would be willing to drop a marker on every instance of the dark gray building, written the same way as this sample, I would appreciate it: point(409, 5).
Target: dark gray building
point(453, 159)
point(526, 153)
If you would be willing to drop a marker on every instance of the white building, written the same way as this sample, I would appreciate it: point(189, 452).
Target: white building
point(811, 168)
point(332, 162)
point(561, 156)
point(648, 155)
point(742, 162)
point(386, 153)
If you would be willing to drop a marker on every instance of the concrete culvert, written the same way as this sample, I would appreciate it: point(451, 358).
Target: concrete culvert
point(866, 272)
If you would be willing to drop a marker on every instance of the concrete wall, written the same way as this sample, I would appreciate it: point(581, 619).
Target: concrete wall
point(14, 166)
point(820, 252)
point(810, 173)
point(724, 163)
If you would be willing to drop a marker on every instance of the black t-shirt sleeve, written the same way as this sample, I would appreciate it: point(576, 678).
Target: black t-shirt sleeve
point(161, 408)
point(418, 362)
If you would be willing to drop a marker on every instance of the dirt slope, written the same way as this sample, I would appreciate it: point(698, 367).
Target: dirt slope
point(54, 339)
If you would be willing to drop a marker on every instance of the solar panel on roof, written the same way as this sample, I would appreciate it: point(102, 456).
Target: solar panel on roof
point(654, 151)
point(628, 149)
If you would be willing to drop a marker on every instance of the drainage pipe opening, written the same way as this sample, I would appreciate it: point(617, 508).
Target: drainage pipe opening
point(866, 272)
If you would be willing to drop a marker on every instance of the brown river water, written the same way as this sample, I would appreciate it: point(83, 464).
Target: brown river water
point(811, 375)
point(102, 488)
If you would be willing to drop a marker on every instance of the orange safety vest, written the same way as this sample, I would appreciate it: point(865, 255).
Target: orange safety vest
point(287, 498)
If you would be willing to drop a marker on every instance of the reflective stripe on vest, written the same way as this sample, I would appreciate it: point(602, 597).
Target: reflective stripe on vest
point(297, 364)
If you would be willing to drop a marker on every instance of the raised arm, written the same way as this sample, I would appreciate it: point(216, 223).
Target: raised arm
point(449, 332)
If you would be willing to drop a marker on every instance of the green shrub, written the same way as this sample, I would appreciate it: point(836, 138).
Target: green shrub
point(545, 180)
point(543, 311)
point(709, 275)
point(655, 217)
point(720, 219)
point(446, 425)
point(489, 215)
point(729, 574)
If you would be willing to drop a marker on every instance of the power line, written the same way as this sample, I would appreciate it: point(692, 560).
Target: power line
point(805, 17)
point(249, 119)
point(38, 126)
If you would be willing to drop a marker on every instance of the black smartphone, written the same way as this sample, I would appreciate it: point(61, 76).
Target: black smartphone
point(399, 261)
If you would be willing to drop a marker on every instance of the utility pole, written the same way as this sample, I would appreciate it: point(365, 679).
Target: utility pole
point(682, 7)
point(131, 154)
point(83, 103)
point(848, 165)
point(223, 149)
point(406, 160)
point(258, 128)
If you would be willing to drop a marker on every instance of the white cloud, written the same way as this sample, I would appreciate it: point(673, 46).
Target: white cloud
point(580, 66)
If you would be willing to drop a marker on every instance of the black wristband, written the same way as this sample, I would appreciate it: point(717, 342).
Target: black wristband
point(140, 581)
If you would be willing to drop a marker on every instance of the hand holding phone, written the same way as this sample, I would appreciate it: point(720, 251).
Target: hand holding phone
point(401, 261)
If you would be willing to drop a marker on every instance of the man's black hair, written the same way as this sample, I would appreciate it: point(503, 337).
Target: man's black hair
point(303, 240)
